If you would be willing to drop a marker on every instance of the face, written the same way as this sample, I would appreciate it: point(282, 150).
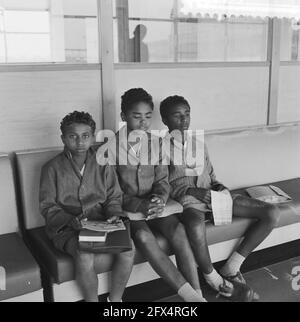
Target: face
point(78, 138)
point(138, 117)
point(179, 118)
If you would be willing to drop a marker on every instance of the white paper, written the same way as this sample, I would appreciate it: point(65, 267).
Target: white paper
point(222, 204)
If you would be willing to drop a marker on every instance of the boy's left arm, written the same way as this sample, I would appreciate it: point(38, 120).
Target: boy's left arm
point(113, 204)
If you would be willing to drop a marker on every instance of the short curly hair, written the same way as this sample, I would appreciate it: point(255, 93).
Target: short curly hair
point(170, 102)
point(77, 117)
point(133, 97)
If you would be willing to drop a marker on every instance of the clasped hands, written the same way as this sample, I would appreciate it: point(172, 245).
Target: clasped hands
point(151, 208)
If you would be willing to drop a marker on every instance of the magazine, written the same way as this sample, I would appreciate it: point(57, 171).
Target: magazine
point(103, 226)
point(270, 194)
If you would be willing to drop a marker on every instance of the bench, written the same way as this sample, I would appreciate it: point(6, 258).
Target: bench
point(20, 279)
point(222, 240)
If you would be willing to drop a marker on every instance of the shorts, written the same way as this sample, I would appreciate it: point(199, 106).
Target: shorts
point(188, 201)
point(67, 241)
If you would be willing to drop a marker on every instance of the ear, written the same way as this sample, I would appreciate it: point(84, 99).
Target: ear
point(165, 121)
point(123, 117)
point(62, 138)
point(94, 138)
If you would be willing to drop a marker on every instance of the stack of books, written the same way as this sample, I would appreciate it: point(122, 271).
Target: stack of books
point(104, 237)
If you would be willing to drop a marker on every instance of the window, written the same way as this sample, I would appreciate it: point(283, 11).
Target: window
point(51, 31)
point(159, 31)
point(290, 40)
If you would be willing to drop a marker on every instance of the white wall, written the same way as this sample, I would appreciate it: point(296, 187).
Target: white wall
point(32, 105)
point(256, 157)
point(219, 97)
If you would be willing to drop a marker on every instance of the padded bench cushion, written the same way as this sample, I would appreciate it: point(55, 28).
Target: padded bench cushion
point(21, 270)
point(8, 209)
point(60, 266)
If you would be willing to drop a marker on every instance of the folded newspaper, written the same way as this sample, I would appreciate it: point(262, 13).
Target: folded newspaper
point(103, 226)
point(222, 204)
point(270, 194)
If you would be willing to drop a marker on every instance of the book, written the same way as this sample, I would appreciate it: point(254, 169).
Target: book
point(270, 194)
point(102, 226)
point(86, 235)
point(116, 242)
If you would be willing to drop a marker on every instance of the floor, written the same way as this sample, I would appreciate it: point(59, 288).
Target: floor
point(275, 283)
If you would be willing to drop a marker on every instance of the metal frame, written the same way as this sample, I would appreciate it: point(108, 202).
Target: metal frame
point(274, 59)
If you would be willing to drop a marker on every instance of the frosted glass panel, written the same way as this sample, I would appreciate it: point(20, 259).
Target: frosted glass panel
point(53, 31)
point(289, 94)
point(218, 98)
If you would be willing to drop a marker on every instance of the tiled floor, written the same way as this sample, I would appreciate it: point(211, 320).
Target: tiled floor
point(276, 283)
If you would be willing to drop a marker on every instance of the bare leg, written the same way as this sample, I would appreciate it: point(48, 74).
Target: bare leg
point(194, 222)
point(86, 276)
point(161, 263)
point(121, 271)
point(267, 216)
point(174, 231)
point(85, 273)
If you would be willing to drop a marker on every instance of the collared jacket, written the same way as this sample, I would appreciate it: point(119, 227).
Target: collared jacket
point(140, 178)
point(179, 177)
point(66, 194)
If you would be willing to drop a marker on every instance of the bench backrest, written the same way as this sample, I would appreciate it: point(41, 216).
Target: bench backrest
point(256, 157)
point(29, 165)
point(8, 208)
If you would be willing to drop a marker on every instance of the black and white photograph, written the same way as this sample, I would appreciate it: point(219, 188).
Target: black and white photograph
point(149, 154)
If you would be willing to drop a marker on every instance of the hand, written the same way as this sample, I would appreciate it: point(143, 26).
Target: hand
point(201, 194)
point(149, 208)
point(113, 219)
point(158, 200)
point(75, 224)
point(219, 187)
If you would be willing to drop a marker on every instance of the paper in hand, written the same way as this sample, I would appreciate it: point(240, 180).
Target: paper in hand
point(222, 205)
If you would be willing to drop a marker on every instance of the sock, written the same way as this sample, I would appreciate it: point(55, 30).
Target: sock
point(214, 279)
point(199, 291)
point(188, 294)
point(233, 264)
point(109, 301)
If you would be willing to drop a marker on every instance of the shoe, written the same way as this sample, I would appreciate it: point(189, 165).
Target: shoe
point(238, 277)
point(236, 292)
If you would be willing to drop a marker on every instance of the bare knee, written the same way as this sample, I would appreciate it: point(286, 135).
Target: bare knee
point(129, 254)
point(178, 233)
point(272, 215)
point(143, 236)
point(194, 221)
point(84, 261)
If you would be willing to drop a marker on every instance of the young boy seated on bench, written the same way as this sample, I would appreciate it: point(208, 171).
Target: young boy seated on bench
point(194, 193)
point(74, 187)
